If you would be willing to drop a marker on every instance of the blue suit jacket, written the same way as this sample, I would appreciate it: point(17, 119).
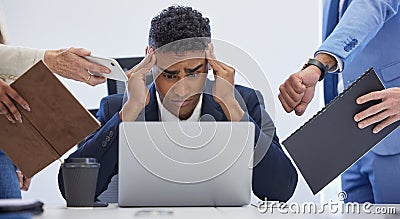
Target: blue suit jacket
point(368, 35)
point(274, 177)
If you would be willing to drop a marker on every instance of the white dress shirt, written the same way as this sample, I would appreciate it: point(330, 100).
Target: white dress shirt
point(166, 115)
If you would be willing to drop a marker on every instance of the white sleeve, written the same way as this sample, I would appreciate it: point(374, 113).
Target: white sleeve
point(16, 60)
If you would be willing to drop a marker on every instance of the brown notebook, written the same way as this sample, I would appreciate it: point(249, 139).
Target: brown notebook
point(56, 122)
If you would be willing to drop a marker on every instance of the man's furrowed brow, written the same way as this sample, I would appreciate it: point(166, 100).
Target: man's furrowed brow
point(174, 72)
point(191, 70)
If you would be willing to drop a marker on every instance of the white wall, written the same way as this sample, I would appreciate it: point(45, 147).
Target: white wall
point(279, 35)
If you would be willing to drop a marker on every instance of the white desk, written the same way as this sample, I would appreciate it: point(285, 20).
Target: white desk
point(114, 212)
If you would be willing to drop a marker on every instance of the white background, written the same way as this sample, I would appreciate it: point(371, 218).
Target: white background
point(279, 35)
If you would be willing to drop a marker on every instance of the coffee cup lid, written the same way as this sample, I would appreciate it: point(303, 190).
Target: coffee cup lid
point(83, 160)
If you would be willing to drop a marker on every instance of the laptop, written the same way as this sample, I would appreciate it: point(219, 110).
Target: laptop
point(185, 163)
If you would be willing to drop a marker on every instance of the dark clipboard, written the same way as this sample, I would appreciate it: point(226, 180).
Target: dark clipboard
point(330, 142)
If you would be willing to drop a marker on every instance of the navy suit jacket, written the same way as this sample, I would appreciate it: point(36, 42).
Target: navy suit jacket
point(274, 176)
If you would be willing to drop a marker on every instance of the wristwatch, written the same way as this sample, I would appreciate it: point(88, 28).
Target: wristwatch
point(319, 65)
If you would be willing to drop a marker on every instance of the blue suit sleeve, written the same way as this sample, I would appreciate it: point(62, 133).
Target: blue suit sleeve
point(360, 23)
point(102, 145)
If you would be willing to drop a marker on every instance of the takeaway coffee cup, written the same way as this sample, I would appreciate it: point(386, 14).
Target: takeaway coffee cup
point(80, 179)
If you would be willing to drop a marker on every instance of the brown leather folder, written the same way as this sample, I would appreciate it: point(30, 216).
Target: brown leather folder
point(56, 122)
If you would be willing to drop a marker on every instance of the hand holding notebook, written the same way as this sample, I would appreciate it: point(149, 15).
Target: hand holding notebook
point(56, 122)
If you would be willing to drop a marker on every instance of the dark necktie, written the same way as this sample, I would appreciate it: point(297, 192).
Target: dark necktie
point(330, 19)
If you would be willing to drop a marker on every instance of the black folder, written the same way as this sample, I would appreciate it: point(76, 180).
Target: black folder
point(330, 142)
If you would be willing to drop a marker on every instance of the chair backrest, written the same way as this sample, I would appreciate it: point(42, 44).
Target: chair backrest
point(118, 87)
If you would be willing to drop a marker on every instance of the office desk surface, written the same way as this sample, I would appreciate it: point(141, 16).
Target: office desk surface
point(114, 212)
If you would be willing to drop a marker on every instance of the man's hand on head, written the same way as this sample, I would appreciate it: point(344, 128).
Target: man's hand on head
point(138, 93)
point(223, 89)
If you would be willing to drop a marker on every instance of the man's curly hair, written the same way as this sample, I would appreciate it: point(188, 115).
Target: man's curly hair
point(173, 25)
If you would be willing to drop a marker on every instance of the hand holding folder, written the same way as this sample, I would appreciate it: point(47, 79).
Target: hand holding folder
point(330, 142)
point(56, 122)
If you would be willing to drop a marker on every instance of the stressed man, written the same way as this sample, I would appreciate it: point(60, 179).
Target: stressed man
point(179, 56)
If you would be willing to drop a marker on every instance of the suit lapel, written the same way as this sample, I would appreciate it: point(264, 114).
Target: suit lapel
point(210, 110)
point(150, 112)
